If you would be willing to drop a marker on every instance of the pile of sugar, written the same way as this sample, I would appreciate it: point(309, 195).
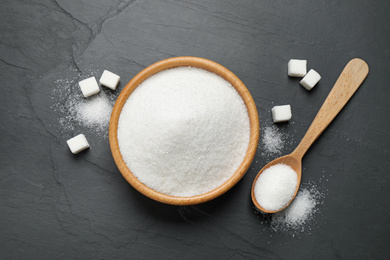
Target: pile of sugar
point(275, 187)
point(299, 212)
point(184, 131)
point(92, 113)
point(272, 140)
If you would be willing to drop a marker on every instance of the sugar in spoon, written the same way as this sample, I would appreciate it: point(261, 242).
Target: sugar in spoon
point(346, 85)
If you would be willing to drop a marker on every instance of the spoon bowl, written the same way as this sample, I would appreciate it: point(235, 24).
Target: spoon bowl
point(346, 85)
point(291, 160)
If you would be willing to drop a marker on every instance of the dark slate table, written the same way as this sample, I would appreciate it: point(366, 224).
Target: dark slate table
point(54, 205)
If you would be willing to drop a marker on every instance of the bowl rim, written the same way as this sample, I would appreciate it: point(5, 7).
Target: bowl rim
point(181, 62)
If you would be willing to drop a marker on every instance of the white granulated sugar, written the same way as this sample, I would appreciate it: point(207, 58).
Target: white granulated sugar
point(275, 187)
point(272, 140)
point(184, 131)
point(92, 114)
point(299, 212)
point(299, 209)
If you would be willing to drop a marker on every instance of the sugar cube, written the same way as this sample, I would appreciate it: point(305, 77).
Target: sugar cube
point(297, 68)
point(78, 143)
point(310, 80)
point(281, 113)
point(109, 79)
point(89, 86)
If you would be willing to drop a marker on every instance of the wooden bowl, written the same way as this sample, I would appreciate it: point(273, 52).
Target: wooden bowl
point(178, 62)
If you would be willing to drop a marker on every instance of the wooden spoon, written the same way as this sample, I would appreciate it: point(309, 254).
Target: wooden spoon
point(346, 85)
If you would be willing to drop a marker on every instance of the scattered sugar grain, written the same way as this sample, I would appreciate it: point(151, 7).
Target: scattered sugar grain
point(184, 131)
point(93, 113)
point(299, 212)
point(300, 209)
point(272, 140)
point(276, 186)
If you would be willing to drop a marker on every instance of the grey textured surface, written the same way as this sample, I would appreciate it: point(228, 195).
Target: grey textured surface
point(54, 205)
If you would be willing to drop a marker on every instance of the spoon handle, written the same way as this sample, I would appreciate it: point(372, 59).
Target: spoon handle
point(346, 85)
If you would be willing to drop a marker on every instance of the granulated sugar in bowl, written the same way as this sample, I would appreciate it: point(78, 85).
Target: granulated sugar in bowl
point(184, 131)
